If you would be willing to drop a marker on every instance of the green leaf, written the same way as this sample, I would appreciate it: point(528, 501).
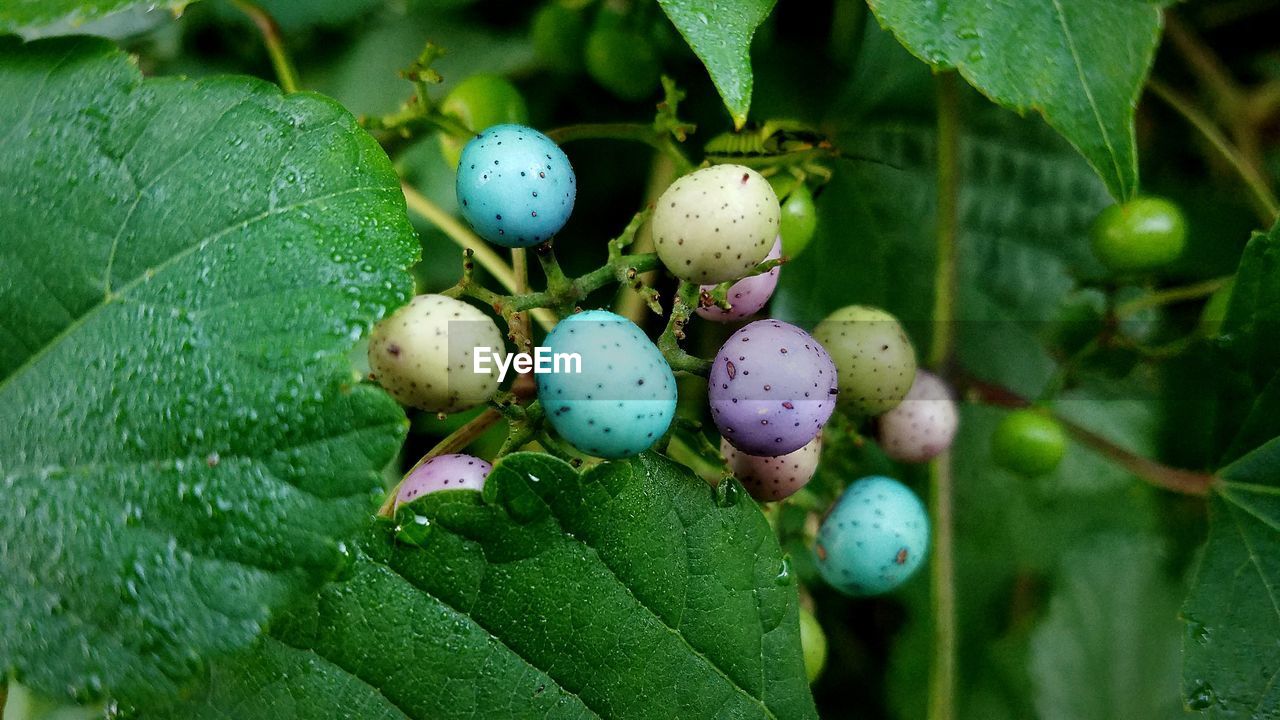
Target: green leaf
point(1233, 613)
point(1108, 647)
point(1028, 201)
point(1080, 63)
point(631, 591)
point(18, 14)
point(186, 444)
point(1248, 375)
point(1252, 322)
point(719, 32)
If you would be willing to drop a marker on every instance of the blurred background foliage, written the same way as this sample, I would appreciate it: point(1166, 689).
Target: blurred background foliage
point(1068, 585)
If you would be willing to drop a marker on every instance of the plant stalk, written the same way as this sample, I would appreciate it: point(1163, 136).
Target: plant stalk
point(274, 43)
point(942, 671)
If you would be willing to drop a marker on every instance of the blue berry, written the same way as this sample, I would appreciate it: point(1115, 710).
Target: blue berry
point(515, 186)
point(625, 396)
point(874, 538)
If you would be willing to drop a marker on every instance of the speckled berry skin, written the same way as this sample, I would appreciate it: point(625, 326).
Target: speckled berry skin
point(875, 358)
point(715, 224)
point(875, 537)
point(422, 354)
point(924, 424)
point(772, 387)
point(444, 472)
point(515, 186)
point(748, 296)
point(770, 479)
point(624, 398)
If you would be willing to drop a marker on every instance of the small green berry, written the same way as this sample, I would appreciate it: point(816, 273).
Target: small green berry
point(1028, 442)
point(813, 643)
point(799, 220)
point(480, 102)
point(558, 34)
point(1143, 234)
point(623, 62)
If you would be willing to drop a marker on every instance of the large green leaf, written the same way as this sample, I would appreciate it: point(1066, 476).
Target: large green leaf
point(185, 267)
point(720, 31)
point(16, 14)
point(1233, 613)
point(1108, 647)
point(1027, 201)
point(1081, 63)
point(631, 591)
point(1252, 323)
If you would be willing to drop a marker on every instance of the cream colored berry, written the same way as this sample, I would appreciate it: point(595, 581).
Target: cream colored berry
point(715, 224)
point(423, 354)
point(924, 424)
point(770, 479)
point(874, 358)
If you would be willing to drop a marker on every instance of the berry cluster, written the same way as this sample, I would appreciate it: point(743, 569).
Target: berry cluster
point(772, 386)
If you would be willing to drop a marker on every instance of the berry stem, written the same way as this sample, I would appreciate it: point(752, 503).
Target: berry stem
point(1169, 296)
point(489, 259)
point(942, 672)
point(274, 43)
point(636, 132)
point(669, 342)
point(454, 442)
point(1177, 480)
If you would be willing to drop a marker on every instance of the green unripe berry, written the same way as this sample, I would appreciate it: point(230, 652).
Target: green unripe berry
point(558, 34)
point(1028, 442)
point(875, 360)
point(799, 220)
point(480, 102)
point(1142, 234)
point(813, 643)
point(623, 62)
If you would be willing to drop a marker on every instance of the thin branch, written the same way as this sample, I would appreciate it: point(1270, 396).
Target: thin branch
point(1263, 199)
point(942, 671)
point(1158, 474)
point(634, 132)
point(270, 31)
point(1169, 296)
point(489, 259)
point(456, 441)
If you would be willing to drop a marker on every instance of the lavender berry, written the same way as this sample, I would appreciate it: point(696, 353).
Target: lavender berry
point(515, 186)
point(770, 479)
point(772, 387)
point(924, 424)
point(746, 297)
point(444, 472)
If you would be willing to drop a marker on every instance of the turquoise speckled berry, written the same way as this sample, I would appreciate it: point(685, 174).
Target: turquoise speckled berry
point(874, 538)
point(515, 186)
point(625, 396)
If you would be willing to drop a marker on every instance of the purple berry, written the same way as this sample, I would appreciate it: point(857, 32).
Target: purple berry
point(770, 479)
point(748, 296)
point(923, 424)
point(444, 472)
point(772, 388)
